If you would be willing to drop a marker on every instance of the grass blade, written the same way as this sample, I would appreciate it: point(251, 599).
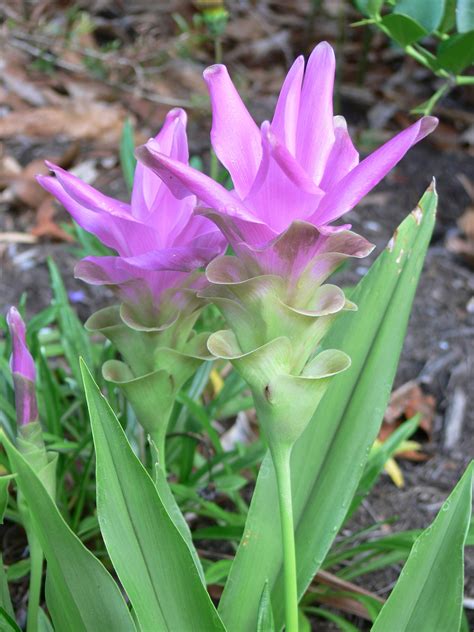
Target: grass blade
point(85, 598)
point(429, 593)
point(152, 559)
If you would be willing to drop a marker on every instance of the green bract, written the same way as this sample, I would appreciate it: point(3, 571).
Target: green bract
point(157, 360)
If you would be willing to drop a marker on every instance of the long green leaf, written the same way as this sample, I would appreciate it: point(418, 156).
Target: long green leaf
point(5, 600)
point(329, 459)
point(7, 622)
point(465, 15)
point(265, 621)
point(127, 158)
point(151, 557)
point(429, 593)
point(86, 598)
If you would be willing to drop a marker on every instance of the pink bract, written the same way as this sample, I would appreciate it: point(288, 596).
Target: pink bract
point(23, 370)
point(300, 166)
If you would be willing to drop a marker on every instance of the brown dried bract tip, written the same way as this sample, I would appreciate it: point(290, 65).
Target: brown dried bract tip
point(392, 241)
point(432, 187)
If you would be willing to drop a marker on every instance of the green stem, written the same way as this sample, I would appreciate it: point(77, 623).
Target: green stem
point(281, 463)
point(462, 80)
point(218, 49)
point(36, 575)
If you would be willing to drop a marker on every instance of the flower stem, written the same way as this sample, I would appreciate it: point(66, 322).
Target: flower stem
point(281, 463)
point(36, 574)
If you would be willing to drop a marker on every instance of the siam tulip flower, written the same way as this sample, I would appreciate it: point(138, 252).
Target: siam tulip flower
point(158, 240)
point(293, 177)
point(23, 370)
point(160, 244)
point(31, 445)
point(30, 436)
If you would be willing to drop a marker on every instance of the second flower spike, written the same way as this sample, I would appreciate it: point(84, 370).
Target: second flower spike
point(159, 246)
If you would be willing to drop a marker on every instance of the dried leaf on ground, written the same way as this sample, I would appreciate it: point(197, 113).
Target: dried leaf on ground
point(45, 225)
point(78, 120)
point(405, 402)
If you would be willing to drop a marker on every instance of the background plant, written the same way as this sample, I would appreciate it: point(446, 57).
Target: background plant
point(438, 34)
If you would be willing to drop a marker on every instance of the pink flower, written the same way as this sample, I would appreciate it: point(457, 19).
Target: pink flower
point(302, 167)
point(23, 369)
point(158, 239)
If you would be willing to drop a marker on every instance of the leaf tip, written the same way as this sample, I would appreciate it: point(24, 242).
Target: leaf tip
point(432, 186)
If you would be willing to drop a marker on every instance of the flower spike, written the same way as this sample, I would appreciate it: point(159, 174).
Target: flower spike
point(23, 370)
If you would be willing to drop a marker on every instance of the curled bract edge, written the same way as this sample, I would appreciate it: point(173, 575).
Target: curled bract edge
point(156, 362)
point(276, 322)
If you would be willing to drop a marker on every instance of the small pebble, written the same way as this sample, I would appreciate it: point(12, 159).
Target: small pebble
point(373, 226)
point(76, 296)
point(108, 162)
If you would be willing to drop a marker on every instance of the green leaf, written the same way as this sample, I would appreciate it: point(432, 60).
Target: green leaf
point(127, 156)
point(218, 532)
point(370, 7)
point(18, 570)
point(7, 622)
point(329, 459)
point(378, 458)
point(304, 624)
point(74, 337)
point(44, 624)
point(49, 390)
point(5, 600)
point(86, 598)
point(265, 622)
point(341, 623)
point(217, 572)
point(403, 29)
point(177, 517)
point(456, 53)
point(153, 561)
point(426, 14)
point(465, 15)
point(429, 593)
point(449, 17)
point(4, 483)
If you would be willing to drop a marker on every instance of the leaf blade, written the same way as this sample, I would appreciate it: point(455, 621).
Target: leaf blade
point(429, 592)
point(337, 440)
point(87, 597)
point(149, 554)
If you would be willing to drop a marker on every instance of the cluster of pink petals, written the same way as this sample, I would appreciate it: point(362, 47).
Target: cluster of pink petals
point(300, 167)
point(157, 237)
point(23, 369)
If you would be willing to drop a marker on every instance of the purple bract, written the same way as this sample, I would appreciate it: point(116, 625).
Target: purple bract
point(23, 369)
point(300, 167)
point(158, 239)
